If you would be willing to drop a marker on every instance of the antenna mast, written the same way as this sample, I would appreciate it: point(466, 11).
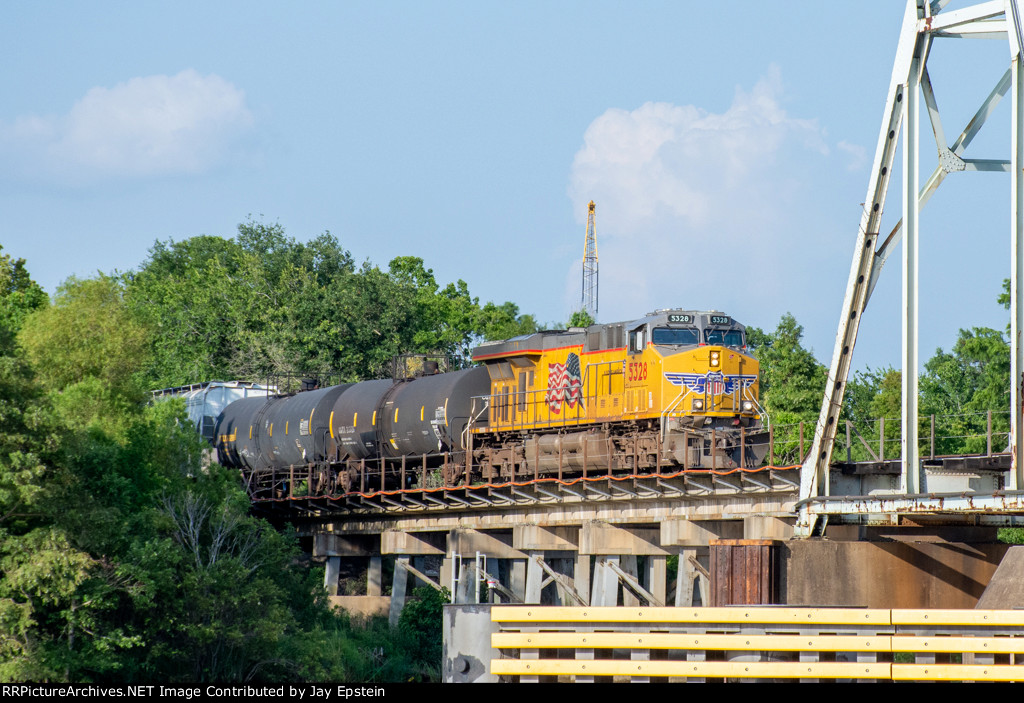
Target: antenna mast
point(589, 301)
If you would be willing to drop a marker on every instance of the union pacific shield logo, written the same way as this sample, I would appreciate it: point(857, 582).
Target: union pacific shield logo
point(713, 382)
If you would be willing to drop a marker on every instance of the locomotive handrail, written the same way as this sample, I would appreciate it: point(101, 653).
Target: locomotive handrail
point(684, 392)
point(465, 434)
point(762, 414)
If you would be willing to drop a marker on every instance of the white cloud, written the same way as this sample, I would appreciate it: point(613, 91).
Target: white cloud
point(146, 126)
point(694, 208)
point(858, 155)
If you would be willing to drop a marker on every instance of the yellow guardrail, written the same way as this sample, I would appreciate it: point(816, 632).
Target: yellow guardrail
point(555, 643)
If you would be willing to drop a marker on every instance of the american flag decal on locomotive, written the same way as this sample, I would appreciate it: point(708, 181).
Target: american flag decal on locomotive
point(564, 384)
point(714, 382)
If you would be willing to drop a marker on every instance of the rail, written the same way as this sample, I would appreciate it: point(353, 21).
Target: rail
point(312, 482)
point(534, 643)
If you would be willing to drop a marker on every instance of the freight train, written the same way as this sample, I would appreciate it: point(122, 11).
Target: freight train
point(676, 389)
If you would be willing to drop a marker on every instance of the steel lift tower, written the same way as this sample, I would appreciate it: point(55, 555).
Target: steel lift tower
point(923, 23)
point(589, 300)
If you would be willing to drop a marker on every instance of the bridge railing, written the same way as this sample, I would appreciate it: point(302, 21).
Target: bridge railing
point(749, 643)
point(878, 440)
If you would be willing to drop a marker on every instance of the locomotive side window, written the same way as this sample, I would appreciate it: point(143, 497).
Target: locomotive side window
point(726, 338)
point(675, 336)
point(637, 340)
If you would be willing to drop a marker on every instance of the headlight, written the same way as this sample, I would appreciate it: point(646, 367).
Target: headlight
point(748, 405)
point(698, 404)
point(714, 358)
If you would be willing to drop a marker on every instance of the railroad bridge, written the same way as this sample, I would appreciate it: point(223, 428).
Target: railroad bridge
point(709, 536)
point(902, 528)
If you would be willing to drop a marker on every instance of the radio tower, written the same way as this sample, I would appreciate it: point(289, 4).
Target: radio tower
point(589, 302)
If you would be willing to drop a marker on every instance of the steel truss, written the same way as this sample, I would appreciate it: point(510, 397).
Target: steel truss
point(923, 21)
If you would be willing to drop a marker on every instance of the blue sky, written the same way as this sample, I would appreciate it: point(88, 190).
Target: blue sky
point(727, 151)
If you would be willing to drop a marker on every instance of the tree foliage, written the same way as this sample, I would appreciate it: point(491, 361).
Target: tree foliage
point(19, 296)
point(581, 318)
point(792, 380)
point(959, 387)
point(88, 349)
point(124, 558)
point(265, 304)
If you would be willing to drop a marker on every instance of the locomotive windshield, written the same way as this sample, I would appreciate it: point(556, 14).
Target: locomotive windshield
point(726, 338)
point(675, 336)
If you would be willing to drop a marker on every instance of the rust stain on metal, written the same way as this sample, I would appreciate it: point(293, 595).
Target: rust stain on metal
point(744, 572)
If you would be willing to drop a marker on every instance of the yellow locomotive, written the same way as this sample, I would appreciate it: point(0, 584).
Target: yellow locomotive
point(676, 388)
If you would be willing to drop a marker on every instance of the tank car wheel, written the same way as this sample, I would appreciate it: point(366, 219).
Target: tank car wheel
point(347, 479)
point(452, 473)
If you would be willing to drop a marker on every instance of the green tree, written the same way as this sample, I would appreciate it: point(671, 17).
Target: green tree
point(265, 304)
point(221, 595)
point(503, 322)
point(792, 380)
point(53, 594)
point(581, 318)
point(123, 558)
point(961, 386)
point(421, 621)
point(958, 387)
point(19, 296)
point(90, 346)
point(791, 384)
point(888, 404)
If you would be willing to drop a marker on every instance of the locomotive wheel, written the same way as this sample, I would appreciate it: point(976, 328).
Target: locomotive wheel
point(756, 451)
point(728, 455)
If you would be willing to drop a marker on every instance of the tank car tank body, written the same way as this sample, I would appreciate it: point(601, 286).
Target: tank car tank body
point(341, 427)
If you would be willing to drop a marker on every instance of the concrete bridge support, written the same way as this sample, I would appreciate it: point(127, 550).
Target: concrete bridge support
point(691, 540)
point(604, 563)
point(348, 557)
point(331, 575)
